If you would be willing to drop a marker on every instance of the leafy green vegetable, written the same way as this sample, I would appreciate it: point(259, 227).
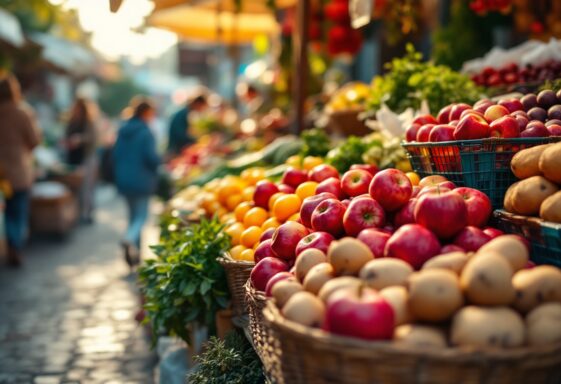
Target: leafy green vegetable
point(409, 81)
point(186, 284)
point(231, 361)
point(316, 143)
point(350, 152)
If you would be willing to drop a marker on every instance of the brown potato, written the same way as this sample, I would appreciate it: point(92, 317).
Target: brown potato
point(305, 308)
point(337, 283)
point(486, 280)
point(543, 324)
point(348, 256)
point(488, 327)
point(420, 336)
point(507, 202)
point(318, 276)
point(306, 260)
point(550, 209)
point(398, 297)
point(434, 295)
point(535, 286)
point(525, 163)
point(454, 261)
point(550, 163)
point(385, 272)
point(530, 193)
point(511, 248)
point(283, 290)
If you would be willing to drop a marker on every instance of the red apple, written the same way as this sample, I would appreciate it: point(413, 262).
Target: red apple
point(441, 132)
point(361, 214)
point(471, 238)
point(495, 112)
point(328, 217)
point(415, 191)
point(478, 205)
point(286, 238)
point(424, 119)
point(482, 105)
point(512, 105)
point(530, 265)
point(411, 132)
point(371, 168)
point(264, 189)
point(294, 177)
point(347, 202)
point(322, 172)
point(492, 232)
point(375, 239)
point(506, 127)
point(521, 121)
point(275, 279)
point(424, 132)
point(414, 244)
point(331, 185)
point(471, 127)
point(444, 114)
point(356, 182)
point(406, 214)
point(265, 270)
point(429, 181)
point(449, 248)
point(470, 112)
point(535, 128)
point(285, 188)
point(554, 130)
point(391, 188)
point(359, 312)
point(309, 204)
point(317, 240)
point(263, 250)
point(443, 213)
point(267, 234)
point(457, 110)
point(435, 189)
point(447, 184)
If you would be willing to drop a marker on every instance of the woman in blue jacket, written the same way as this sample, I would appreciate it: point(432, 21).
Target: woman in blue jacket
point(136, 172)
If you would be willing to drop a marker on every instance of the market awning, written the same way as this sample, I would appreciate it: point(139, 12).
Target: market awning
point(64, 54)
point(10, 29)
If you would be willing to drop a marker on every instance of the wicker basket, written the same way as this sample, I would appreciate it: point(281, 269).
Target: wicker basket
point(347, 122)
point(313, 356)
point(544, 236)
point(237, 273)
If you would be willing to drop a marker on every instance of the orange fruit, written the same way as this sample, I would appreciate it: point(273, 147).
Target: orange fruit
point(228, 218)
point(294, 217)
point(235, 232)
point(310, 162)
point(286, 206)
point(236, 251)
point(213, 207)
point(294, 161)
point(306, 189)
point(242, 209)
point(256, 216)
point(274, 198)
point(233, 201)
point(250, 236)
point(413, 177)
point(271, 222)
point(247, 193)
point(247, 255)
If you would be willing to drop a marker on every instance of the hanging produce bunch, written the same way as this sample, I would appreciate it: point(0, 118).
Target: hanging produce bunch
point(342, 38)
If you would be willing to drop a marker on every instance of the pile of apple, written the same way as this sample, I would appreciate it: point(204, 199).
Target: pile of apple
point(530, 116)
point(514, 74)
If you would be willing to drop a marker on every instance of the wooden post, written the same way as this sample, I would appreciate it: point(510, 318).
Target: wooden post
point(300, 76)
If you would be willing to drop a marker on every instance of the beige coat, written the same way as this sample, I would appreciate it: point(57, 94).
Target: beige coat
point(19, 134)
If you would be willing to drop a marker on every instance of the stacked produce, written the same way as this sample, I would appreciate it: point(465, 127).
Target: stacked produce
point(529, 116)
point(516, 74)
point(537, 193)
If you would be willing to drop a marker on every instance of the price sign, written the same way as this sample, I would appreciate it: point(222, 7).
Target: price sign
point(361, 12)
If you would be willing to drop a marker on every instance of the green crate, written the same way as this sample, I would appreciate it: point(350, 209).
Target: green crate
point(544, 237)
point(481, 164)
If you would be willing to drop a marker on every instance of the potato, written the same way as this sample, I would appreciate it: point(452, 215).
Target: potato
point(283, 290)
point(434, 294)
point(337, 283)
point(550, 163)
point(385, 272)
point(420, 336)
point(507, 202)
point(543, 324)
point(535, 286)
point(525, 163)
point(550, 209)
point(529, 194)
point(348, 256)
point(398, 298)
point(488, 327)
point(318, 276)
point(509, 247)
point(486, 280)
point(305, 308)
point(454, 261)
point(306, 260)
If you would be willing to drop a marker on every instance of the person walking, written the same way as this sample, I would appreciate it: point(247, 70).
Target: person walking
point(81, 143)
point(136, 172)
point(19, 134)
point(178, 135)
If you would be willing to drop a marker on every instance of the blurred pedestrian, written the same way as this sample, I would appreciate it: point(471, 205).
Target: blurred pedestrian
point(179, 136)
point(136, 172)
point(81, 145)
point(19, 134)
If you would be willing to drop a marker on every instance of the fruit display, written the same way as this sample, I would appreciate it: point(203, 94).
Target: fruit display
point(350, 96)
point(529, 116)
point(516, 74)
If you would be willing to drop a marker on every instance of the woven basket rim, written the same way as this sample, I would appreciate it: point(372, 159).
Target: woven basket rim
point(529, 220)
point(345, 112)
point(490, 140)
point(364, 348)
point(254, 293)
point(226, 259)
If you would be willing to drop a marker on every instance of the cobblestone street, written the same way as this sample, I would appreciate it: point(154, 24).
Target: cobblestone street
point(68, 316)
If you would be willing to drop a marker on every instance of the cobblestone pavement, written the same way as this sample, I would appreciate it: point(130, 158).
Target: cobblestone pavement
point(68, 316)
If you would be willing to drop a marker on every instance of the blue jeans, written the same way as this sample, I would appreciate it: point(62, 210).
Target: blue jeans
point(17, 215)
point(138, 214)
